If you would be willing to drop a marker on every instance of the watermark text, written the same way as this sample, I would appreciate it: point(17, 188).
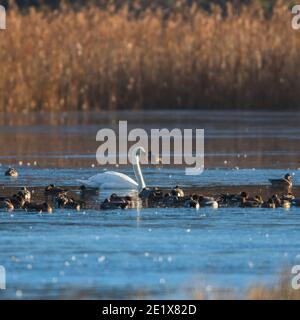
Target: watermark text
point(2, 278)
point(296, 17)
point(2, 18)
point(188, 146)
point(296, 277)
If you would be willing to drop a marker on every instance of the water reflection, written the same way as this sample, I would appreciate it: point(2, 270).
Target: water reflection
point(232, 139)
point(148, 253)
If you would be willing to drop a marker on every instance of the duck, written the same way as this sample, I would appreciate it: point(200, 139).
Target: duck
point(167, 200)
point(276, 199)
point(227, 199)
point(208, 202)
point(147, 193)
point(191, 203)
point(6, 204)
point(18, 201)
point(128, 200)
point(177, 192)
point(53, 190)
point(61, 200)
point(73, 205)
point(170, 201)
point(38, 207)
point(65, 202)
point(288, 197)
point(258, 199)
point(116, 202)
point(86, 191)
point(25, 194)
point(269, 204)
point(254, 202)
point(108, 205)
point(281, 203)
point(151, 197)
point(11, 172)
point(284, 183)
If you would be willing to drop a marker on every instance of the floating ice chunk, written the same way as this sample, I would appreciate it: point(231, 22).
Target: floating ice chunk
point(19, 293)
point(101, 259)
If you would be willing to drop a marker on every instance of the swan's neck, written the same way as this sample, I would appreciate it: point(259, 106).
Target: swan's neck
point(138, 173)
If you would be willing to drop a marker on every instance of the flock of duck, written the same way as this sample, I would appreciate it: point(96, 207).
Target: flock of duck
point(148, 197)
point(144, 197)
point(176, 198)
point(22, 200)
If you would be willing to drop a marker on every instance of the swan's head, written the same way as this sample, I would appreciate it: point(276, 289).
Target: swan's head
point(137, 153)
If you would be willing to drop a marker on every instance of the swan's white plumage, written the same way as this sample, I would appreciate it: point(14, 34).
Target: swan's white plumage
point(118, 180)
point(110, 179)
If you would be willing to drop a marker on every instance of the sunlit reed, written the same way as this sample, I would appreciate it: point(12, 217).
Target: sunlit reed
point(95, 59)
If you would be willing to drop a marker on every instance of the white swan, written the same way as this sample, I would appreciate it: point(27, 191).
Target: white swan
point(117, 180)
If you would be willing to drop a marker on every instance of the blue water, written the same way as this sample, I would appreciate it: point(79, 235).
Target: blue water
point(163, 177)
point(146, 253)
point(150, 253)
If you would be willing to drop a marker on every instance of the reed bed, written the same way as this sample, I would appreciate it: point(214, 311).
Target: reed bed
point(281, 289)
point(96, 59)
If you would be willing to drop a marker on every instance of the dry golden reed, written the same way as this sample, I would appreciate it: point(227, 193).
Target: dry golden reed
point(281, 289)
point(93, 59)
